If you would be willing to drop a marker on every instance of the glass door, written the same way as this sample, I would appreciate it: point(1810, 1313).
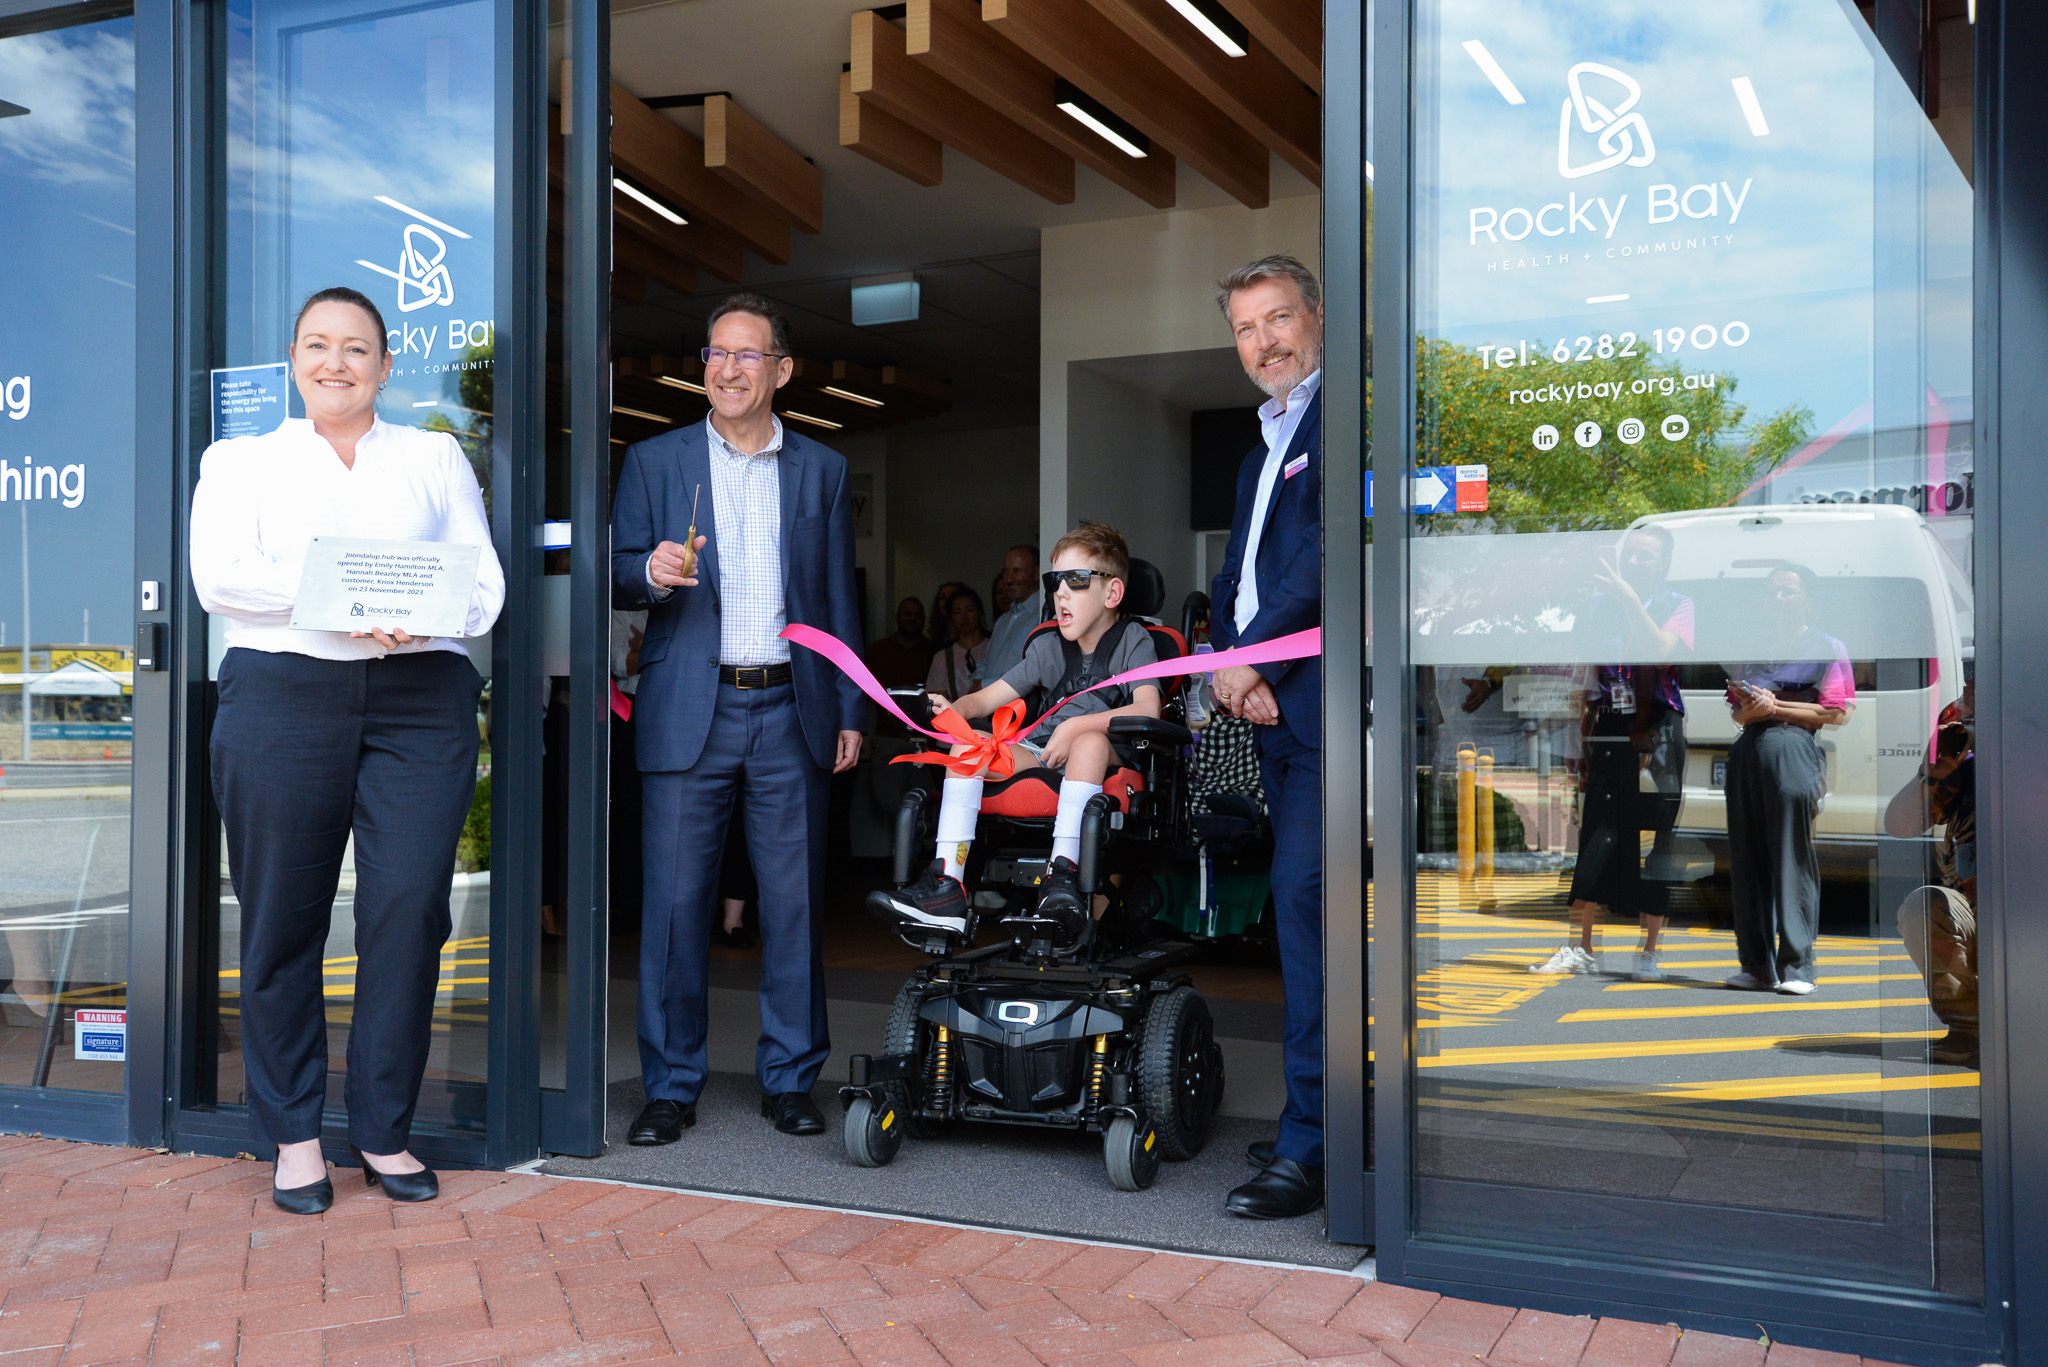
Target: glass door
point(67, 527)
point(382, 147)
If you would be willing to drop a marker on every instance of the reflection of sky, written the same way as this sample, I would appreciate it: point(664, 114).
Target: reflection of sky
point(1842, 300)
point(67, 293)
point(333, 109)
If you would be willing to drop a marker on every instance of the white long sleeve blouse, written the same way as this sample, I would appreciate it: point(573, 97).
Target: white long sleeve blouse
point(261, 500)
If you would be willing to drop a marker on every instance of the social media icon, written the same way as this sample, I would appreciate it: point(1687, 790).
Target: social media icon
point(1676, 427)
point(1544, 437)
point(1631, 430)
point(1587, 433)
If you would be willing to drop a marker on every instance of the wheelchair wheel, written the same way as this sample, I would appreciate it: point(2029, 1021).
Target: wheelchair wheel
point(1180, 1075)
point(1131, 1153)
point(873, 1132)
point(906, 1034)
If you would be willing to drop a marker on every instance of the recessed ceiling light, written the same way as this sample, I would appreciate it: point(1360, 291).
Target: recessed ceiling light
point(1093, 115)
point(675, 383)
point(634, 192)
point(1216, 23)
point(640, 413)
point(816, 422)
point(849, 394)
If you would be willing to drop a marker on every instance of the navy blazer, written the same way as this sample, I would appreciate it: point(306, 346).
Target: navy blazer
point(1290, 574)
point(679, 653)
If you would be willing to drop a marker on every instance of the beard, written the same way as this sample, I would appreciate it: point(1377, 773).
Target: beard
point(1279, 386)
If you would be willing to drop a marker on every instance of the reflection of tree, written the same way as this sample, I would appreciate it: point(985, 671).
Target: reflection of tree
point(470, 425)
point(1463, 418)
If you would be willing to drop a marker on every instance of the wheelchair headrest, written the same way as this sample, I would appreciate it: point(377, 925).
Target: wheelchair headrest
point(1145, 593)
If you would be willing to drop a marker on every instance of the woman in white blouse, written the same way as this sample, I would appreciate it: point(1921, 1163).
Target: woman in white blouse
point(324, 734)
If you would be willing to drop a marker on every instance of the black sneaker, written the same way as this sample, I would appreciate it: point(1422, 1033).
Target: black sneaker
point(933, 903)
point(1062, 912)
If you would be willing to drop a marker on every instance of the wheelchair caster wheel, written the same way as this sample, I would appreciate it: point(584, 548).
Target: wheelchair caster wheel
point(1131, 1153)
point(873, 1132)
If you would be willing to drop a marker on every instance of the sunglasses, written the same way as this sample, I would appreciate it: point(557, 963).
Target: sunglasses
point(1073, 579)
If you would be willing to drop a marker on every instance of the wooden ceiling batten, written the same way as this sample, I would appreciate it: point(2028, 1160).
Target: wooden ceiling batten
point(1075, 40)
point(749, 157)
point(884, 75)
point(886, 140)
point(949, 37)
point(669, 162)
point(1292, 30)
point(1255, 90)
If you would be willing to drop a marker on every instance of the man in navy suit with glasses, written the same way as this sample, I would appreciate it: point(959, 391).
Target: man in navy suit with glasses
point(1271, 585)
point(729, 720)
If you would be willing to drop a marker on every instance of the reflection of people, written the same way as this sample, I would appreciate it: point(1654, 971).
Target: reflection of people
point(1633, 723)
point(1013, 626)
point(321, 734)
point(729, 718)
point(1271, 585)
point(1092, 566)
point(957, 666)
point(1939, 922)
point(1776, 778)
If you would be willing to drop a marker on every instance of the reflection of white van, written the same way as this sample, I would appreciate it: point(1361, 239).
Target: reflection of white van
point(1884, 587)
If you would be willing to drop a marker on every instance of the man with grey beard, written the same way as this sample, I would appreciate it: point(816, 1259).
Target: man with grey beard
point(1271, 585)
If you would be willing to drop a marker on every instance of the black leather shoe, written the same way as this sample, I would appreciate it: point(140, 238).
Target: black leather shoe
point(793, 1113)
point(661, 1122)
point(1284, 1190)
point(400, 1186)
point(310, 1199)
point(1259, 1153)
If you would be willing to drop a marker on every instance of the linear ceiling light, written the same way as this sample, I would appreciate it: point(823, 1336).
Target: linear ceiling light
point(632, 191)
point(1217, 24)
point(674, 383)
point(1097, 118)
point(816, 422)
point(849, 394)
point(640, 413)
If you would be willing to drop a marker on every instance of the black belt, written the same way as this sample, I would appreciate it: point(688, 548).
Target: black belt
point(754, 676)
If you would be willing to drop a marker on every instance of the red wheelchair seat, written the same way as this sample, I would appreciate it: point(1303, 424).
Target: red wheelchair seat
point(1036, 793)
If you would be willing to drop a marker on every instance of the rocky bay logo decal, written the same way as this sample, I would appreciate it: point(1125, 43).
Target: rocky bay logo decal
point(1624, 138)
point(422, 274)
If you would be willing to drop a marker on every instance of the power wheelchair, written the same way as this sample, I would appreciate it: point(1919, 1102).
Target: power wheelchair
point(1104, 1035)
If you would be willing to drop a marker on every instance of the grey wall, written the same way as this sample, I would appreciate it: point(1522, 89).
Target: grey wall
point(1127, 465)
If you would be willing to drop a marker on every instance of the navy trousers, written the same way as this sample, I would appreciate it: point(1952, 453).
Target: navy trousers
point(305, 752)
point(755, 762)
point(1293, 776)
point(1776, 778)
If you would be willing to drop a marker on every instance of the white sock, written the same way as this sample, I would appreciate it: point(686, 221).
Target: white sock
point(959, 808)
point(1066, 830)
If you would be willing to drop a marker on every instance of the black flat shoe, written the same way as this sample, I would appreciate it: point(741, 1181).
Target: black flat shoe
point(310, 1199)
point(1259, 1153)
point(661, 1122)
point(793, 1113)
point(1284, 1190)
point(399, 1186)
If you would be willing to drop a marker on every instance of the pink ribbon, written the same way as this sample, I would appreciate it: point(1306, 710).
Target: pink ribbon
point(1300, 645)
point(622, 706)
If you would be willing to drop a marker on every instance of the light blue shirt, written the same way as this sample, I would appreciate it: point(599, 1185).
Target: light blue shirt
point(1006, 642)
point(1279, 419)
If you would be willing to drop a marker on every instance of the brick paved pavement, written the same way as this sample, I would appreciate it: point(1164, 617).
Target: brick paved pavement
point(123, 1256)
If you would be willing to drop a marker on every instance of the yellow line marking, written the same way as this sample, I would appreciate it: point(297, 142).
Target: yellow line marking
point(1846, 1084)
point(1824, 982)
point(1969, 1143)
point(1587, 1052)
point(1754, 1008)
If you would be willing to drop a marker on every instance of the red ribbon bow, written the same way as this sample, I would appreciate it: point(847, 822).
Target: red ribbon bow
point(990, 753)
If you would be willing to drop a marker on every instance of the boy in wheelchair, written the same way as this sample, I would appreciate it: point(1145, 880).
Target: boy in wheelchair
point(1068, 736)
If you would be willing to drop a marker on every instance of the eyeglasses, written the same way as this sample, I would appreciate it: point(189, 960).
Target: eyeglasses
point(1073, 579)
point(716, 356)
